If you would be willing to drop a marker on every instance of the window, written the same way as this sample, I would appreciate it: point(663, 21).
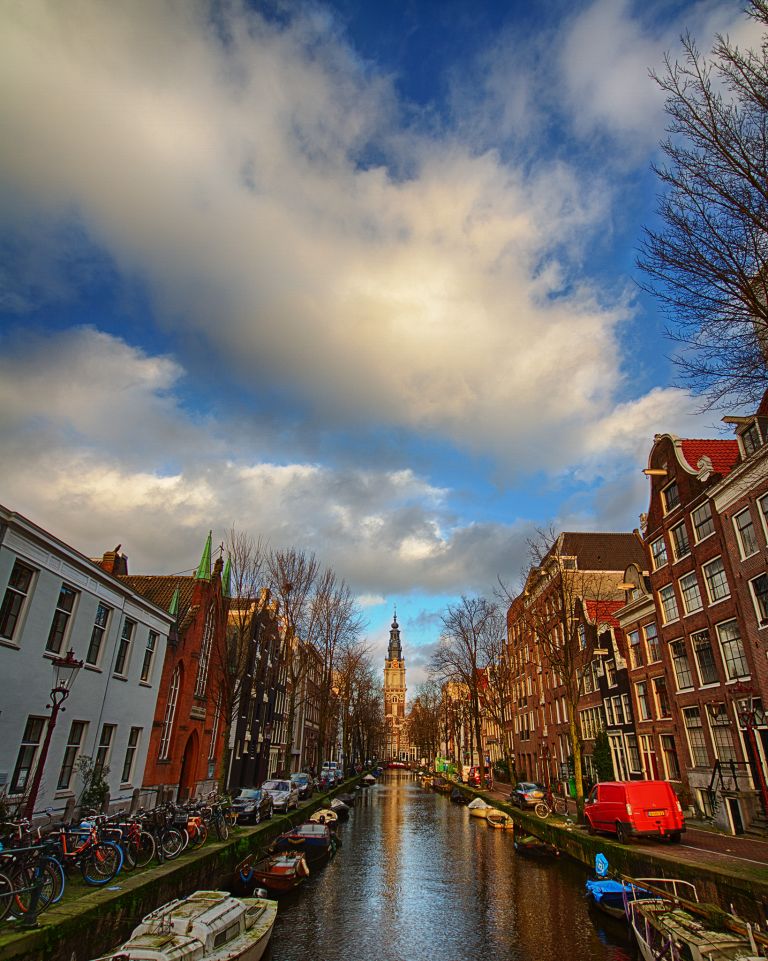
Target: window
point(669, 753)
point(170, 713)
point(652, 643)
point(763, 505)
point(659, 553)
point(635, 649)
point(130, 755)
point(680, 544)
point(759, 588)
point(15, 597)
point(97, 634)
point(61, 616)
point(74, 743)
point(720, 725)
point(671, 496)
point(750, 438)
point(205, 655)
point(689, 588)
point(215, 731)
point(703, 524)
point(705, 658)
point(680, 664)
point(610, 720)
point(582, 637)
point(149, 656)
point(641, 691)
point(104, 750)
point(668, 604)
point(695, 732)
point(618, 710)
point(745, 532)
point(662, 698)
point(733, 650)
point(627, 708)
point(30, 741)
point(610, 673)
point(633, 754)
point(717, 583)
point(124, 646)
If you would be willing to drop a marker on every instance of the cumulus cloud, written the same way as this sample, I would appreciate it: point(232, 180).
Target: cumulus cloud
point(231, 169)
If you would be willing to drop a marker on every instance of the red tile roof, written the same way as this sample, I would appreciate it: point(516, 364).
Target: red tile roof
point(724, 454)
point(602, 611)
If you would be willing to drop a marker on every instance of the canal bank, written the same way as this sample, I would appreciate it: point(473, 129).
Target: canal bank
point(735, 884)
point(84, 927)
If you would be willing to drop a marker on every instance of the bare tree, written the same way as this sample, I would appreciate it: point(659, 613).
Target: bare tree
point(495, 692)
point(707, 264)
point(292, 577)
point(425, 719)
point(462, 655)
point(360, 700)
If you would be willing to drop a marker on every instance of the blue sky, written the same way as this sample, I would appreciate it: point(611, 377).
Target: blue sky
point(358, 278)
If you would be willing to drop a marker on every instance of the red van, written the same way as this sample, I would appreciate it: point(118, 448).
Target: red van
point(635, 809)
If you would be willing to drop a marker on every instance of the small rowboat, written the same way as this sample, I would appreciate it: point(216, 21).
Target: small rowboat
point(324, 816)
point(499, 820)
point(478, 808)
point(315, 840)
point(281, 872)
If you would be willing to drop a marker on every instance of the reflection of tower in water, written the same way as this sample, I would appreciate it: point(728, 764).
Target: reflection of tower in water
point(396, 746)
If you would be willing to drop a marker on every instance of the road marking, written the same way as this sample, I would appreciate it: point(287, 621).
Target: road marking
point(731, 857)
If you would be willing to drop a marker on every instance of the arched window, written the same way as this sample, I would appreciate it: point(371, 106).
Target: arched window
point(170, 713)
point(205, 655)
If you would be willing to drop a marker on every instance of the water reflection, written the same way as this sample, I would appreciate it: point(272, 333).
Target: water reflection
point(418, 878)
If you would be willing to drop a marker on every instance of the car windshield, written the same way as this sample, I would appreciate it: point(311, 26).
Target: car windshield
point(249, 794)
point(300, 778)
point(530, 787)
point(276, 786)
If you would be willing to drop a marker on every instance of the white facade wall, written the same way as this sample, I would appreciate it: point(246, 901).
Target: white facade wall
point(98, 696)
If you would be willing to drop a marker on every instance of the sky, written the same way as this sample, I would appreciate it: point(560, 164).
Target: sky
point(358, 278)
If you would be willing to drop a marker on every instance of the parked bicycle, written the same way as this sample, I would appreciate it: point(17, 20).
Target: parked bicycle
point(551, 802)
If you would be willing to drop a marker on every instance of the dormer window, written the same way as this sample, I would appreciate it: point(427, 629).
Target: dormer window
point(671, 496)
point(750, 438)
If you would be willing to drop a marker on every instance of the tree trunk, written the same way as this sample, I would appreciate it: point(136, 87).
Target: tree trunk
point(573, 732)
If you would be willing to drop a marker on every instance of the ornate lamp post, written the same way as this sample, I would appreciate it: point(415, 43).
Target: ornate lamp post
point(751, 715)
point(65, 671)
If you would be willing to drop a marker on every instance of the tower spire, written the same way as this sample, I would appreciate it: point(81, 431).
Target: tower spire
point(203, 572)
point(395, 652)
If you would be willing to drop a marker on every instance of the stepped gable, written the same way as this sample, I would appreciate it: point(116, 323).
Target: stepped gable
point(724, 454)
point(160, 588)
point(596, 551)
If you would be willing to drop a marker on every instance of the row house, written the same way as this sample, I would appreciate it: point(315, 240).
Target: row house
point(54, 601)
point(706, 536)
point(187, 737)
point(307, 729)
point(552, 631)
point(254, 741)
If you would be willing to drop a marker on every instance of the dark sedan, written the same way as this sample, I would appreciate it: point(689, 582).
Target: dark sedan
point(527, 794)
point(252, 806)
point(305, 785)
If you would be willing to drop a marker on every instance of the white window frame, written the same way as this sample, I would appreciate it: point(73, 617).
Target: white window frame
point(737, 640)
point(739, 534)
point(696, 525)
point(169, 714)
point(705, 571)
point(664, 497)
point(68, 616)
point(124, 647)
point(673, 541)
point(659, 557)
point(691, 579)
point(20, 596)
point(100, 631)
point(131, 750)
point(762, 617)
point(671, 596)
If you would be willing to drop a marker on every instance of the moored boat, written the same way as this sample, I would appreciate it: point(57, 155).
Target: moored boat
point(478, 808)
point(324, 816)
point(459, 797)
point(204, 926)
point(281, 872)
point(315, 840)
point(368, 780)
point(531, 846)
point(611, 896)
point(499, 820)
point(340, 809)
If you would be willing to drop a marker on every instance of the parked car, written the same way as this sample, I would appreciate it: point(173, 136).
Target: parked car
point(527, 794)
point(635, 809)
point(473, 777)
point(305, 784)
point(252, 806)
point(284, 793)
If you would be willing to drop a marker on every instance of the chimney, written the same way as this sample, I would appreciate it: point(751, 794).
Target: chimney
point(115, 562)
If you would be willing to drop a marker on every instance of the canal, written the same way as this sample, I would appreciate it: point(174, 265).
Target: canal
point(418, 879)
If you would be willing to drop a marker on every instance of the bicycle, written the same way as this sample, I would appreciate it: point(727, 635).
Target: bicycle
point(549, 804)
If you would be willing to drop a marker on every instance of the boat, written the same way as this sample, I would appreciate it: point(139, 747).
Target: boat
point(280, 872)
point(459, 797)
point(204, 926)
point(324, 816)
point(611, 897)
point(478, 808)
point(368, 780)
point(348, 799)
point(531, 846)
point(340, 809)
point(315, 840)
point(670, 928)
point(499, 820)
point(441, 784)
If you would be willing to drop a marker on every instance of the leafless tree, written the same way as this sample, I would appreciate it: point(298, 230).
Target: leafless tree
point(462, 655)
point(707, 264)
point(360, 700)
point(496, 690)
point(425, 719)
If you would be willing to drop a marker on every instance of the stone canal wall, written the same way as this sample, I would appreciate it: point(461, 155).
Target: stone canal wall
point(740, 886)
point(78, 928)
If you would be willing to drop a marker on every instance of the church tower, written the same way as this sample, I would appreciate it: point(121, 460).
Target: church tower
point(394, 697)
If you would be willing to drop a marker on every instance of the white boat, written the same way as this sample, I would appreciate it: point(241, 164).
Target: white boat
point(499, 820)
point(205, 926)
point(666, 928)
point(478, 808)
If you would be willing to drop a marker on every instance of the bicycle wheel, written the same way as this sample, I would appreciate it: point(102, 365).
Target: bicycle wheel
point(230, 816)
point(199, 836)
point(542, 809)
point(101, 863)
point(222, 828)
point(172, 843)
point(6, 895)
point(58, 873)
point(30, 877)
point(560, 806)
point(143, 849)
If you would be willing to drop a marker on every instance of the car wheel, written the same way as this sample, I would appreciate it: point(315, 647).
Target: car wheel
point(591, 828)
point(674, 837)
point(621, 833)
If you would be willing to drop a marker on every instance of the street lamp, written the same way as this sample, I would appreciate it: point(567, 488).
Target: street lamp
point(65, 671)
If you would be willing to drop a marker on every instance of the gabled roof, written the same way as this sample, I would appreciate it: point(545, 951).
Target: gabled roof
point(596, 551)
point(724, 454)
point(160, 588)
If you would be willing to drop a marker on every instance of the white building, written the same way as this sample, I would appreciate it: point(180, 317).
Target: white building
point(55, 599)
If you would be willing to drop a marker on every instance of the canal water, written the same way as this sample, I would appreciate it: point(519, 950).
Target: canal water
point(418, 879)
